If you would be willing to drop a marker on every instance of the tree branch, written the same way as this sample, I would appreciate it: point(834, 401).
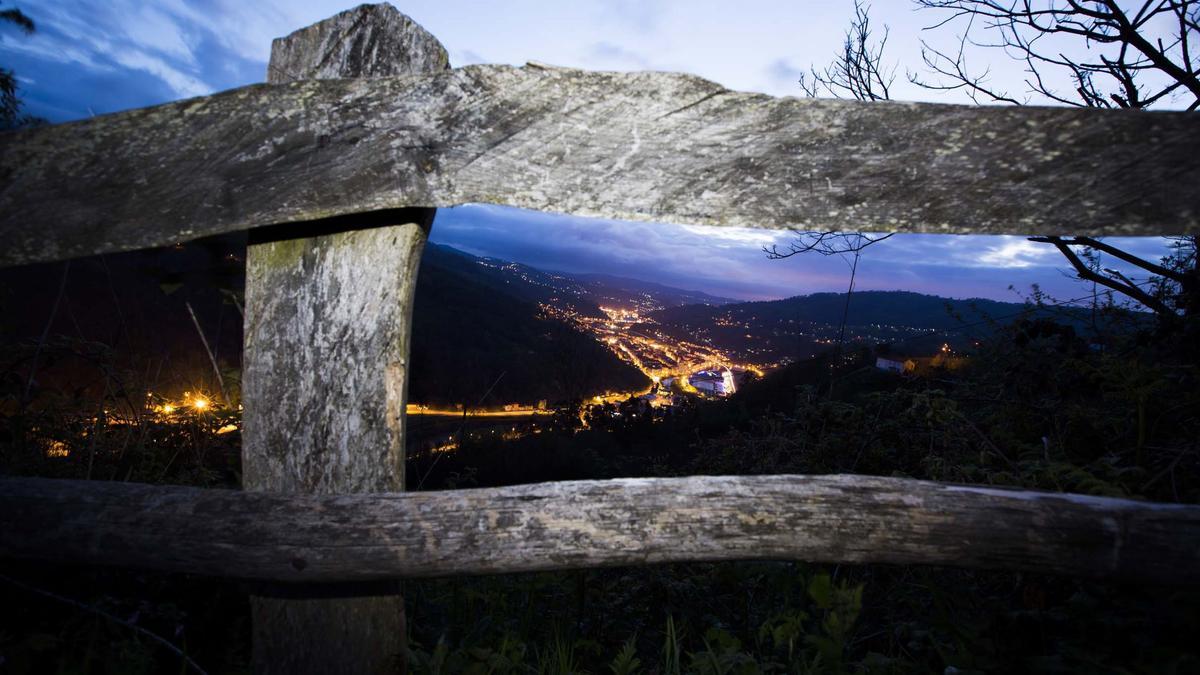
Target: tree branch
point(1099, 245)
point(825, 243)
point(1088, 274)
point(1127, 51)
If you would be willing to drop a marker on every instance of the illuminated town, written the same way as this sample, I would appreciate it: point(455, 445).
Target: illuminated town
point(618, 314)
point(668, 361)
point(688, 344)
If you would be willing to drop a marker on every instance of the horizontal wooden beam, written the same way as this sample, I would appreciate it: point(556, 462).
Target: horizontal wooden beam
point(640, 146)
point(556, 526)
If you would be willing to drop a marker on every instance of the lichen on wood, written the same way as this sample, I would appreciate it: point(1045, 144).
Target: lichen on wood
point(578, 524)
point(640, 146)
point(325, 375)
point(326, 359)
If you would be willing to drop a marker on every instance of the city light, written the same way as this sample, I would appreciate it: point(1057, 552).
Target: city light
point(640, 341)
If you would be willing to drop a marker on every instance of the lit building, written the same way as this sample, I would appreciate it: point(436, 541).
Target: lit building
point(894, 365)
point(712, 382)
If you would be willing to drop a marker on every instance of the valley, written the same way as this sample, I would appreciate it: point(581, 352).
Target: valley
point(558, 337)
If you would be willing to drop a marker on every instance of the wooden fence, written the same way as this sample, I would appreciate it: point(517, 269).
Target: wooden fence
point(565, 525)
point(337, 180)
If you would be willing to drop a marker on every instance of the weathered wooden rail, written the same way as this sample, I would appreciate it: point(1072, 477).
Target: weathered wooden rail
point(568, 525)
point(347, 171)
point(642, 146)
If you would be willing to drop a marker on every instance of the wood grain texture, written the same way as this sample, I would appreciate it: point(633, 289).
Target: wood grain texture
point(367, 41)
point(568, 525)
point(640, 146)
point(325, 375)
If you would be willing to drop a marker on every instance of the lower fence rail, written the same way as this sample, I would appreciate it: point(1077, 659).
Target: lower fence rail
point(577, 524)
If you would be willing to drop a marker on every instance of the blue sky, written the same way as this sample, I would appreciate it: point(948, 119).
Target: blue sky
point(91, 58)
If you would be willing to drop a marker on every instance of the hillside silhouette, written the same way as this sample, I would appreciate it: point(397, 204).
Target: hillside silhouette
point(474, 334)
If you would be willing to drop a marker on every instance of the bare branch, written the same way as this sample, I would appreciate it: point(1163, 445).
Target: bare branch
point(954, 70)
point(1115, 281)
point(825, 243)
point(1025, 30)
point(1099, 245)
point(858, 71)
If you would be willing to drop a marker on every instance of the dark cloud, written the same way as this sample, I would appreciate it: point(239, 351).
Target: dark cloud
point(781, 72)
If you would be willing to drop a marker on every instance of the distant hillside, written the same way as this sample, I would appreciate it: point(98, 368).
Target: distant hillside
point(519, 281)
point(606, 284)
point(582, 294)
point(474, 327)
point(802, 326)
point(899, 308)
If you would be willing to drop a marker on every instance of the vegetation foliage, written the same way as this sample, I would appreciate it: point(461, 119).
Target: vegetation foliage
point(10, 102)
point(1040, 405)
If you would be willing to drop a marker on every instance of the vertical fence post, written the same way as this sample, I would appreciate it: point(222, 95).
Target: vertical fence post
point(328, 319)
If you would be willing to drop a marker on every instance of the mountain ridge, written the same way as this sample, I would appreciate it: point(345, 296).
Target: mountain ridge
point(588, 291)
point(871, 307)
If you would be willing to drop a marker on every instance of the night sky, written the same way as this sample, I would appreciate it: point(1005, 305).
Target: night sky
point(95, 58)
